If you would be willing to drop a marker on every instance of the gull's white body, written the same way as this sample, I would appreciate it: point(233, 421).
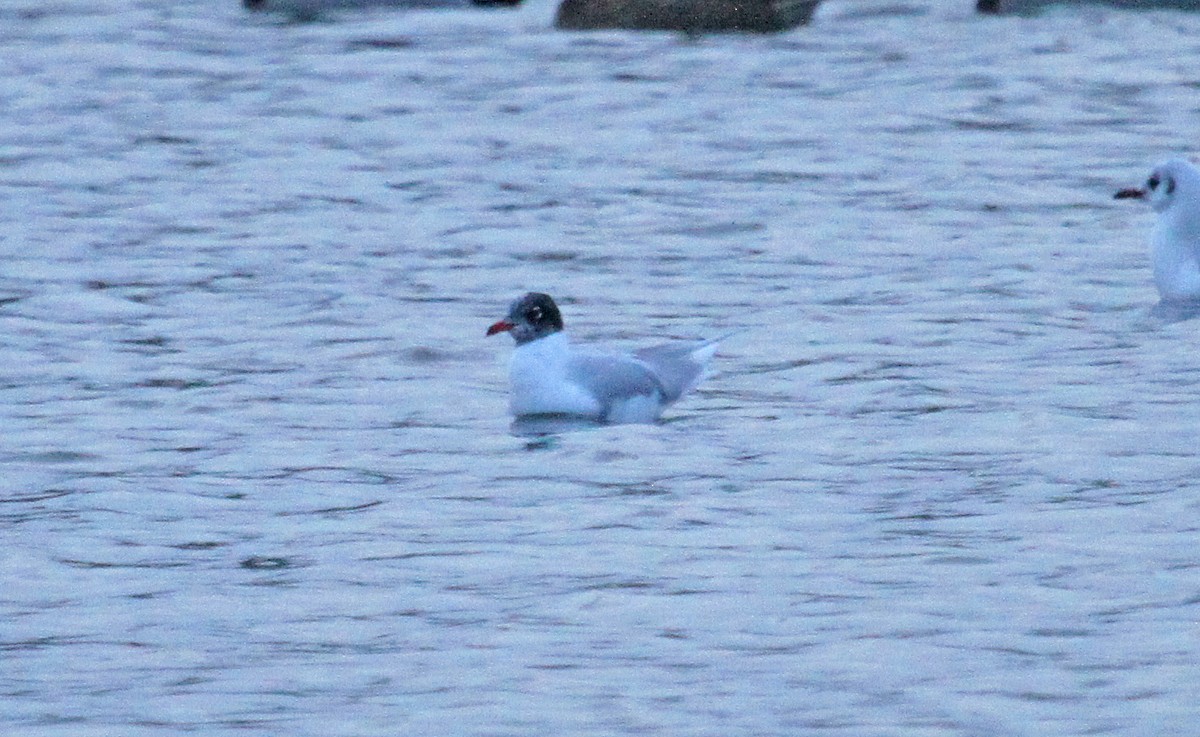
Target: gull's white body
point(1175, 240)
point(550, 377)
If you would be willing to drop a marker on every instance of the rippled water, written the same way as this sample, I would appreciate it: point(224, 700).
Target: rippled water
point(258, 477)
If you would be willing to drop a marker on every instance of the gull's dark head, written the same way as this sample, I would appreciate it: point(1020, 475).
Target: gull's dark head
point(531, 317)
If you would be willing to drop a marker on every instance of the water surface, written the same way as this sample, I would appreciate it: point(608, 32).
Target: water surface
point(259, 479)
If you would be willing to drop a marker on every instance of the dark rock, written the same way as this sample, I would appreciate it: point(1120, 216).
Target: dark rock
point(1029, 7)
point(691, 16)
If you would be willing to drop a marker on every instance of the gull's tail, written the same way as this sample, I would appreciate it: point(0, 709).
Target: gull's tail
point(679, 366)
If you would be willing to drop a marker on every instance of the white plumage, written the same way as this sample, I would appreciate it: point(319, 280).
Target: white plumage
point(1173, 191)
point(550, 376)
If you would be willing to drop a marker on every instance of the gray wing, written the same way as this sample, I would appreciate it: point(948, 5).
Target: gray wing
point(612, 377)
point(678, 366)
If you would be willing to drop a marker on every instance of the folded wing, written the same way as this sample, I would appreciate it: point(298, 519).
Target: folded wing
point(679, 367)
point(614, 378)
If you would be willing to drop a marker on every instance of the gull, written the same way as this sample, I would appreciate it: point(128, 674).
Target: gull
point(1173, 191)
point(550, 376)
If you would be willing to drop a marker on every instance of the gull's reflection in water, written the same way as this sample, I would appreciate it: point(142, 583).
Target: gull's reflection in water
point(541, 426)
point(1176, 310)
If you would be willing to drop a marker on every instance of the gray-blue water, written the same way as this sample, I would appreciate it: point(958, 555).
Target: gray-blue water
point(257, 472)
